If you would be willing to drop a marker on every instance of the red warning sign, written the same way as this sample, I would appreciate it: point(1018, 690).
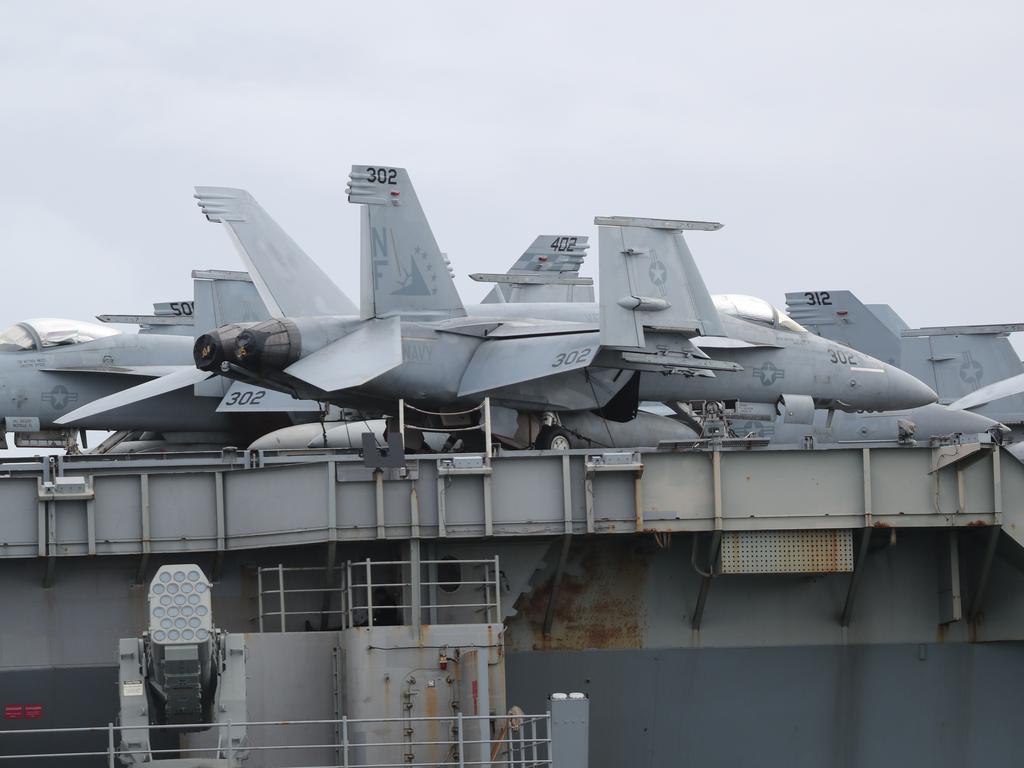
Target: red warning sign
point(14, 711)
point(33, 711)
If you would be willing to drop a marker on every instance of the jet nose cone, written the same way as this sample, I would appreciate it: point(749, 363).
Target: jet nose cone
point(906, 391)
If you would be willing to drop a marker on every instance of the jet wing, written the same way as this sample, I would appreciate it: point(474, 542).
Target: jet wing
point(183, 377)
point(516, 328)
point(152, 371)
point(374, 348)
point(995, 391)
point(502, 362)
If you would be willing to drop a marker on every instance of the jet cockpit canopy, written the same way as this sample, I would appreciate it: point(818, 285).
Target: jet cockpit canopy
point(45, 332)
point(755, 310)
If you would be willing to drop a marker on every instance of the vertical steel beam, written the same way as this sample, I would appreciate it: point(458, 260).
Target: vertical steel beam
point(868, 505)
point(487, 429)
point(588, 488)
point(566, 495)
point(442, 528)
point(556, 583)
point(51, 543)
point(862, 554)
point(716, 477)
point(369, 593)
point(90, 524)
point(978, 599)
point(702, 599)
point(950, 605)
point(218, 560)
point(414, 512)
point(332, 501)
point(378, 477)
point(329, 584)
point(41, 514)
point(280, 592)
point(488, 514)
point(638, 500)
point(259, 594)
point(497, 592)
point(706, 577)
point(997, 484)
point(147, 544)
point(415, 587)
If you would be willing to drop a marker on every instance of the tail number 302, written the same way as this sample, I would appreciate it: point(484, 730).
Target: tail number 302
point(576, 357)
point(246, 398)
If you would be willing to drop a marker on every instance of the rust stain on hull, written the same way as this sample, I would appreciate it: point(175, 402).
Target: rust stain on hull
point(600, 603)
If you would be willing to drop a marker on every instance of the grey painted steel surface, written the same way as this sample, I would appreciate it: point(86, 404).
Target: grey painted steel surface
point(843, 706)
point(236, 501)
point(758, 683)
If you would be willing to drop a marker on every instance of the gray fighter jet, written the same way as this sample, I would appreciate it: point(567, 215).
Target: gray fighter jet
point(971, 367)
point(414, 339)
point(49, 367)
point(544, 274)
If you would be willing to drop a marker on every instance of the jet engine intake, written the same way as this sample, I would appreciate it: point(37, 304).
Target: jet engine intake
point(796, 409)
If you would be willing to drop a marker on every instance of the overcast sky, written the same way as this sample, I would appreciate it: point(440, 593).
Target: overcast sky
point(871, 146)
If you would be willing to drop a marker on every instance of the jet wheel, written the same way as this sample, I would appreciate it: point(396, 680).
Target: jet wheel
point(553, 439)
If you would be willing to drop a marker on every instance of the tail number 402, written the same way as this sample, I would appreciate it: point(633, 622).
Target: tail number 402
point(575, 357)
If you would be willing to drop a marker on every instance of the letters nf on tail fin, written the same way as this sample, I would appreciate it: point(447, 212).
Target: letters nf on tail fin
point(403, 271)
point(289, 282)
point(648, 279)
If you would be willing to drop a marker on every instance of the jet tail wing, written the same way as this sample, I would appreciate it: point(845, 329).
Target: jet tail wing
point(648, 279)
point(548, 271)
point(500, 363)
point(221, 297)
point(403, 271)
point(289, 282)
point(372, 349)
point(183, 377)
point(842, 317)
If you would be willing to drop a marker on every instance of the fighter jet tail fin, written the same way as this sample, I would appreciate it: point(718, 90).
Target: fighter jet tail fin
point(221, 297)
point(963, 361)
point(548, 271)
point(840, 316)
point(289, 282)
point(649, 280)
point(403, 271)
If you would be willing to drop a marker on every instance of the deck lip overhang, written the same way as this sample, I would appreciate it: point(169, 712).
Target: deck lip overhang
point(132, 505)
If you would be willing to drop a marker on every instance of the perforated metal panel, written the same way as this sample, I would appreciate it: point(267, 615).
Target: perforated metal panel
point(820, 551)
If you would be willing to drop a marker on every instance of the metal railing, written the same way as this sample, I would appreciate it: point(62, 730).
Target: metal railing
point(483, 426)
point(380, 593)
point(515, 740)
